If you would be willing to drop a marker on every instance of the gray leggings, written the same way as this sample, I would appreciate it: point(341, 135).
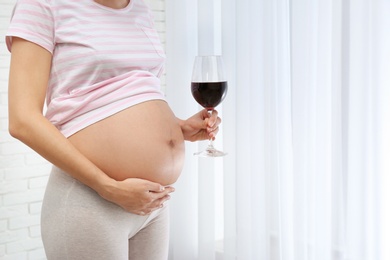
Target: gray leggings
point(78, 224)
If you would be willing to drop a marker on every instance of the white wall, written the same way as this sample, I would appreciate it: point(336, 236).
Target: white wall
point(23, 173)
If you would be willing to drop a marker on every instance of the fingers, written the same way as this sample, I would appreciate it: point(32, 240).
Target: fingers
point(163, 194)
point(213, 123)
point(156, 200)
point(213, 117)
point(155, 205)
point(213, 120)
point(140, 196)
point(155, 187)
point(213, 133)
point(160, 202)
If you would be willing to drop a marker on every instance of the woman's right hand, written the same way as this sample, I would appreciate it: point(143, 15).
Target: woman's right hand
point(137, 196)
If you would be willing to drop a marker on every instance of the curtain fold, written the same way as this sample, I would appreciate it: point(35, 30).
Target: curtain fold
point(306, 122)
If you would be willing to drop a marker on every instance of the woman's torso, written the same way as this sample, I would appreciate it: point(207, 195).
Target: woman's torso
point(104, 88)
point(110, 61)
point(143, 141)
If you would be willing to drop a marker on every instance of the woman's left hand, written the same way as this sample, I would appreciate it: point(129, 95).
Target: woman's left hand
point(201, 126)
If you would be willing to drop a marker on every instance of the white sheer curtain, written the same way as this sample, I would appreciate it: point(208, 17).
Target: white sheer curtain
point(306, 123)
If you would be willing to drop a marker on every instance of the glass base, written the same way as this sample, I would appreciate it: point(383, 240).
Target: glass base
point(210, 152)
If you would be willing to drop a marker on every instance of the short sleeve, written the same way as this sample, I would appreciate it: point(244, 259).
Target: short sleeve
point(33, 21)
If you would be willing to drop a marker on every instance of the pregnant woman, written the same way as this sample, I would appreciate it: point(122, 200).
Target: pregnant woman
point(115, 145)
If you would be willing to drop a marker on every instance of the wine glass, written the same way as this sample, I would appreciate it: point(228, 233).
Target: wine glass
point(209, 87)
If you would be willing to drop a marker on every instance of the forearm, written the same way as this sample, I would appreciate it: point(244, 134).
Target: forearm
point(39, 134)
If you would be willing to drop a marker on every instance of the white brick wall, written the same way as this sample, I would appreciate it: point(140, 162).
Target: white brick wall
point(23, 173)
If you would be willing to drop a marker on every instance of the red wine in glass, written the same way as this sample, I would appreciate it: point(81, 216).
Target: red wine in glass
point(209, 94)
point(209, 87)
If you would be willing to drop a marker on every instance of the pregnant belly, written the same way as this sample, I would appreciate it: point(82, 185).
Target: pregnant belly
point(143, 141)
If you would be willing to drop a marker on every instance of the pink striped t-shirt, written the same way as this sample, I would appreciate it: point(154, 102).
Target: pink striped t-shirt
point(104, 60)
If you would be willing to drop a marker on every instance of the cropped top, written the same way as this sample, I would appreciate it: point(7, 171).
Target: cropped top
point(104, 60)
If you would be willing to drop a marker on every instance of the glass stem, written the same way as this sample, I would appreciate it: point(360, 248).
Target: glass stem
point(211, 143)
